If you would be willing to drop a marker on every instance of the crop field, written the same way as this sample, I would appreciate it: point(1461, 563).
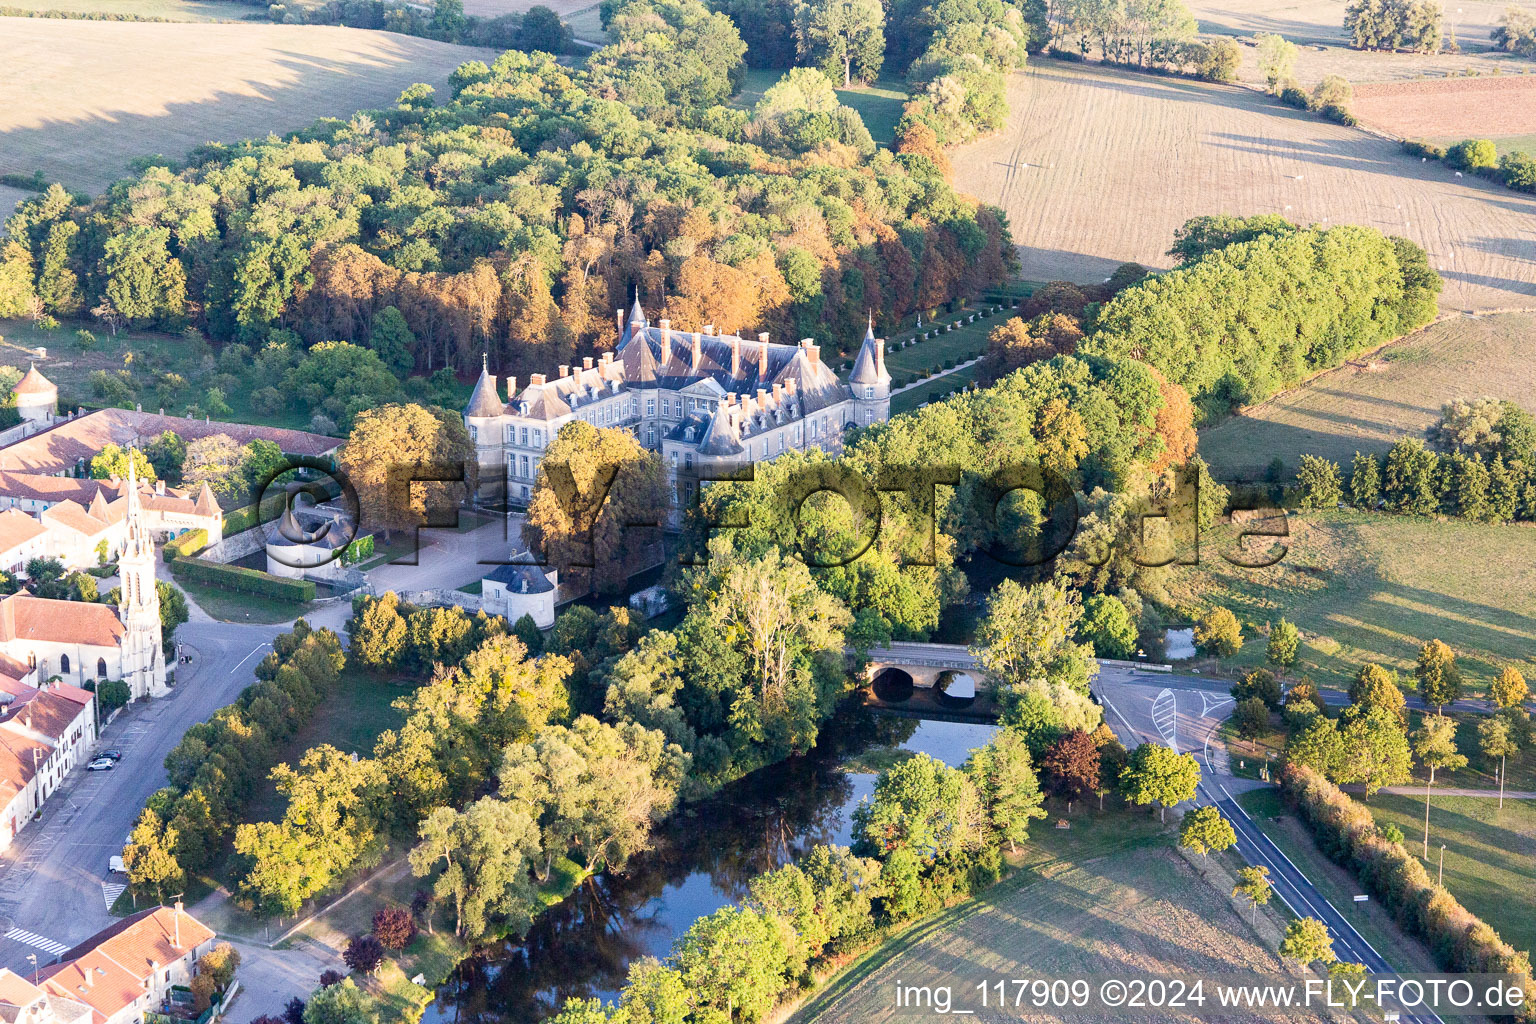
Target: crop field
point(1132, 907)
point(170, 10)
point(1369, 403)
point(86, 97)
point(494, 8)
point(1317, 28)
point(1450, 108)
point(1099, 166)
point(1490, 854)
point(1373, 587)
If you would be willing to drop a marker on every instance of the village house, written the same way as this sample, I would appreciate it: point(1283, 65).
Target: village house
point(44, 733)
point(127, 970)
point(22, 1002)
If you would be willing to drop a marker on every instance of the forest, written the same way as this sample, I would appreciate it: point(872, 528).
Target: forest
point(517, 215)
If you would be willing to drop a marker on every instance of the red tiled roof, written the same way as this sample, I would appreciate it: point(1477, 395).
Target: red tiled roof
point(108, 970)
point(24, 617)
point(72, 515)
point(61, 448)
point(16, 528)
point(34, 383)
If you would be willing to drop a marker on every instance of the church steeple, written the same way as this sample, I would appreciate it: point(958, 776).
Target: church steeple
point(138, 603)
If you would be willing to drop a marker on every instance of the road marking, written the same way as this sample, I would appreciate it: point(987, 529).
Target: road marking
point(247, 658)
point(36, 940)
point(110, 891)
point(1209, 703)
point(1165, 715)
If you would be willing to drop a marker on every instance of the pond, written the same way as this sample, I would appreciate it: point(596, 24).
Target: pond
point(703, 858)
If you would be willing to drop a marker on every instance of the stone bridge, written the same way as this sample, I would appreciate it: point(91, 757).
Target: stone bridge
point(947, 672)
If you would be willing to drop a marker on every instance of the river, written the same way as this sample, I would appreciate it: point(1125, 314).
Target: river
point(703, 858)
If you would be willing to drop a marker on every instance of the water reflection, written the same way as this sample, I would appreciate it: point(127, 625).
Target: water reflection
point(703, 858)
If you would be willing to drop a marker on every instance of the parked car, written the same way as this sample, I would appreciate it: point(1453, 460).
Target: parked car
point(101, 764)
point(114, 754)
point(116, 866)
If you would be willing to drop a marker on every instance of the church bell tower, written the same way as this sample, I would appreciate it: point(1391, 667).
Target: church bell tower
point(138, 606)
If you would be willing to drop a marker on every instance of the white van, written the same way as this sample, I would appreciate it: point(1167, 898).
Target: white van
point(116, 866)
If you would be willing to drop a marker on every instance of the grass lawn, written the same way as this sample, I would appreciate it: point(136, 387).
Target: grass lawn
point(350, 720)
point(1364, 587)
point(1335, 883)
point(234, 606)
point(1479, 773)
point(1249, 756)
point(879, 104)
point(933, 388)
point(1490, 854)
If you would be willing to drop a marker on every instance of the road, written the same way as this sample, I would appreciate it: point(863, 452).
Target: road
point(52, 878)
point(1148, 706)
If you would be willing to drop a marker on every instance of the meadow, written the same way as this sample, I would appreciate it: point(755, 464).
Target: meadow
point(1490, 854)
point(1366, 587)
point(87, 97)
point(1097, 166)
point(1370, 403)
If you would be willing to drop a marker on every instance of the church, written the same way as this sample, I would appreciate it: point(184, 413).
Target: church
point(78, 641)
point(704, 402)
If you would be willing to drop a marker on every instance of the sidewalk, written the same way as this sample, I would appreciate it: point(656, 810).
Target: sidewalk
point(1491, 794)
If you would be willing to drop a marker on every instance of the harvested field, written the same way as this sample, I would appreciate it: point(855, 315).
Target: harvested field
point(1317, 28)
point(86, 97)
point(1370, 403)
point(9, 197)
point(1459, 108)
point(170, 10)
point(1098, 166)
point(1139, 911)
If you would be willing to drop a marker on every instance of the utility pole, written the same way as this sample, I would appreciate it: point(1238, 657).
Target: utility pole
point(32, 957)
point(1441, 881)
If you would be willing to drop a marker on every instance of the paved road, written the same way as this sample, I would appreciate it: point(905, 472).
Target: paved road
point(1184, 712)
point(52, 877)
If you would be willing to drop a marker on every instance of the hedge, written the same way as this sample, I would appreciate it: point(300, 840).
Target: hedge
point(1346, 832)
point(246, 581)
point(243, 518)
point(185, 546)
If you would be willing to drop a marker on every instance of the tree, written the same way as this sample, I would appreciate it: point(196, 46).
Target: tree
point(1112, 761)
point(1509, 689)
point(1251, 717)
point(1320, 482)
point(1071, 766)
point(542, 29)
point(1218, 634)
point(1439, 678)
point(389, 444)
point(1434, 741)
point(1260, 683)
point(486, 852)
point(1284, 645)
point(1306, 941)
point(1155, 774)
point(1472, 155)
point(1007, 787)
point(364, 953)
point(1253, 884)
point(1364, 481)
point(922, 805)
point(1204, 829)
point(1375, 751)
point(1409, 479)
point(394, 927)
point(1108, 626)
point(733, 960)
point(391, 338)
point(112, 461)
point(215, 460)
point(341, 1003)
point(1277, 60)
point(150, 858)
point(1319, 746)
point(1027, 635)
point(1376, 687)
point(841, 35)
point(220, 963)
point(1495, 740)
point(599, 489)
point(377, 631)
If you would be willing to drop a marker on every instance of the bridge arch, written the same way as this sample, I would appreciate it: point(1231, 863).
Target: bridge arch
point(893, 685)
point(955, 689)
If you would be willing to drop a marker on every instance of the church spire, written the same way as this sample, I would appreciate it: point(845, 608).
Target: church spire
point(142, 666)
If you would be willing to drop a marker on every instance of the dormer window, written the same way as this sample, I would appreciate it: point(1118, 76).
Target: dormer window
point(522, 407)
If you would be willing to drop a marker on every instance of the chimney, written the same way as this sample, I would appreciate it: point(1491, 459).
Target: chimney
point(735, 356)
point(880, 356)
point(666, 342)
point(709, 330)
point(762, 397)
point(607, 358)
point(698, 352)
point(565, 370)
point(762, 357)
point(536, 380)
point(178, 924)
point(511, 388)
point(778, 393)
point(586, 362)
point(813, 353)
point(618, 315)
point(789, 387)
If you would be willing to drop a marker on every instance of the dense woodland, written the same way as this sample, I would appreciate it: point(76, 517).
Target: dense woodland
point(519, 214)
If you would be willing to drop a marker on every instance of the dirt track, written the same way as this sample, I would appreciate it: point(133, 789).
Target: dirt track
point(1100, 166)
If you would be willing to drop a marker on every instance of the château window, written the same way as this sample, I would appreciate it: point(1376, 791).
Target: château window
point(474, 432)
point(650, 407)
point(650, 437)
point(63, 664)
point(525, 437)
point(101, 668)
point(869, 391)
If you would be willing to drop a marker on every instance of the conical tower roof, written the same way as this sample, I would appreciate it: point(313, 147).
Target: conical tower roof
point(34, 383)
point(484, 401)
point(869, 367)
